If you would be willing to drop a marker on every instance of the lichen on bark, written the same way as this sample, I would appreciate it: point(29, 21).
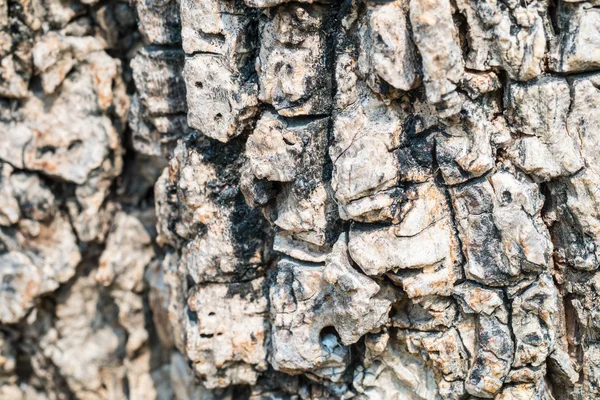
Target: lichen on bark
point(299, 199)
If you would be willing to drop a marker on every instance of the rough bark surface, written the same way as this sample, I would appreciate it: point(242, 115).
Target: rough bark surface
point(299, 199)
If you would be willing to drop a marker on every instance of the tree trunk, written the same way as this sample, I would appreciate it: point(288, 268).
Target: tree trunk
point(353, 199)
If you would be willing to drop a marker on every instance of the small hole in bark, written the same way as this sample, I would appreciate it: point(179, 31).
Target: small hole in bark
point(506, 196)
point(288, 141)
point(199, 85)
point(328, 330)
point(46, 150)
point(218, 117)
point(190, 281)
point(75, 144)
point(331, 341)
point(210, 314)
point(206, 336)
point(192, 316)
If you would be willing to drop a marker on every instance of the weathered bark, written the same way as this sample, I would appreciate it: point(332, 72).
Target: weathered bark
point(299, 199)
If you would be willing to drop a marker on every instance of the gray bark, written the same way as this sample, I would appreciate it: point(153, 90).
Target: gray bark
point(307, 199)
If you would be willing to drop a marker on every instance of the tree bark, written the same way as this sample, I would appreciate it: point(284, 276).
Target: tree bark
point(308, 199)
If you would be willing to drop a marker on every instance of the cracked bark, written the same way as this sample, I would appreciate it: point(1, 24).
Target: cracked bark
point(299, 199)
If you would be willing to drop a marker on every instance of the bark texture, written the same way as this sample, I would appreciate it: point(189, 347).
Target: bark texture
point(299, 199)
